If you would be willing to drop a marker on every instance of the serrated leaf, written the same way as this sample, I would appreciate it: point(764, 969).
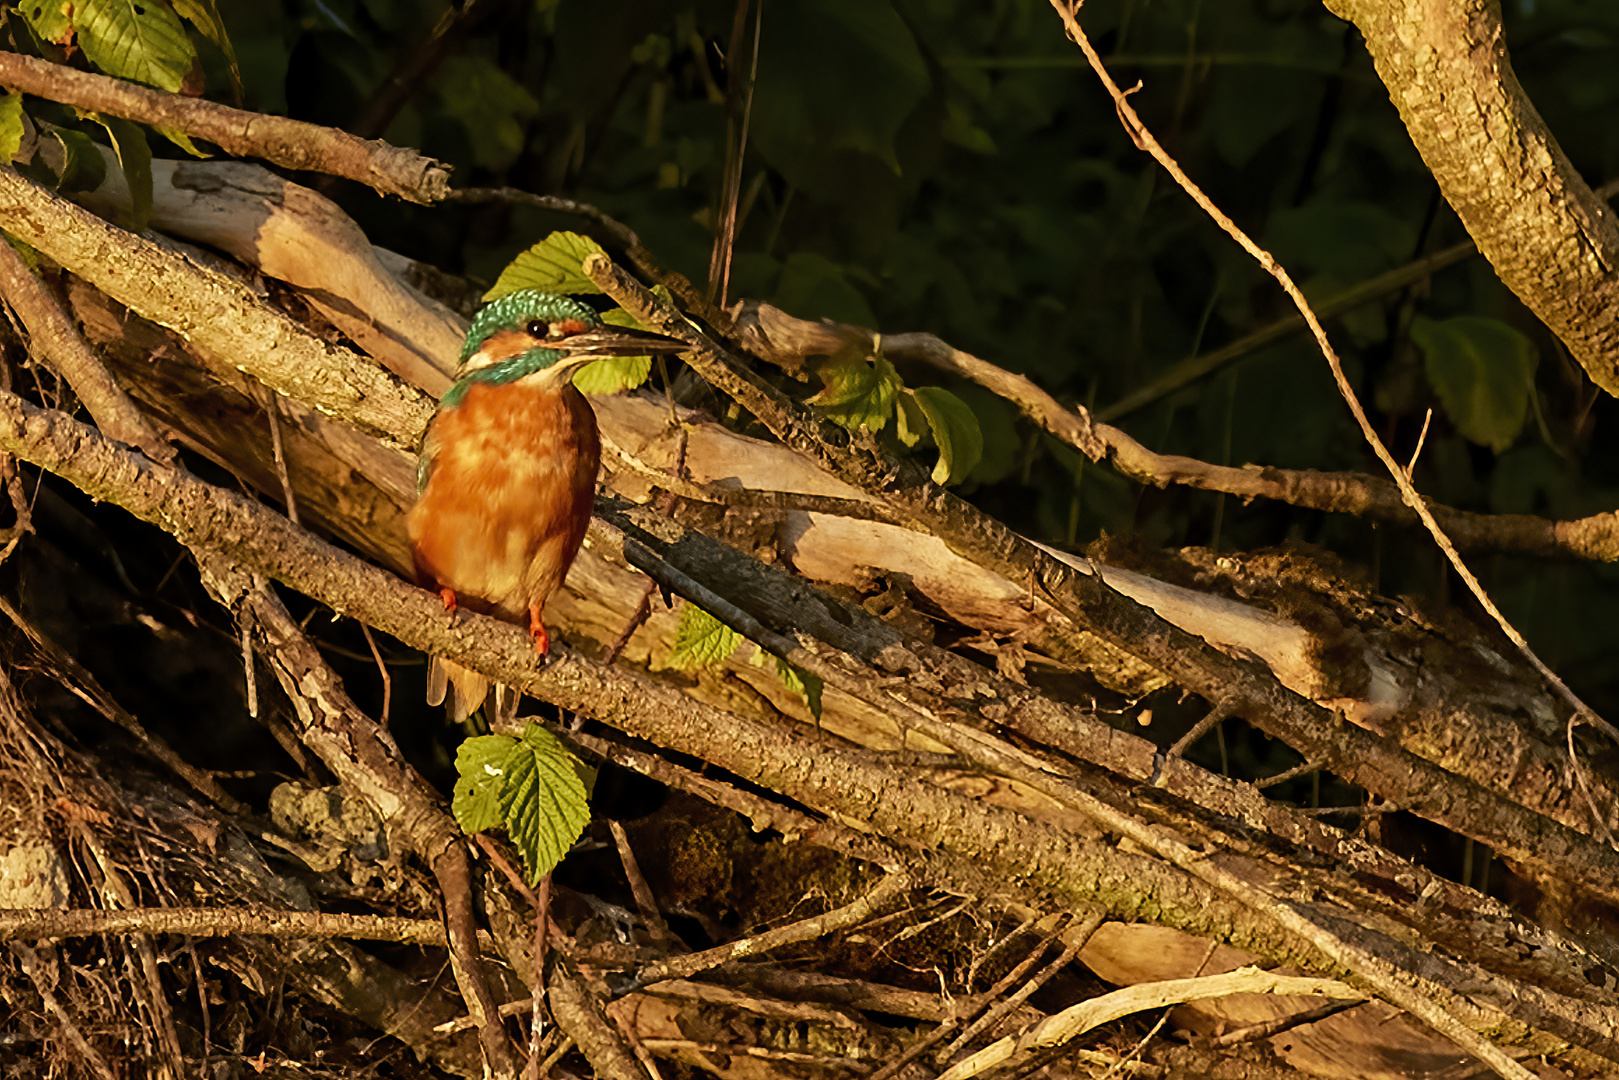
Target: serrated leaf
point(701, 640)
point(543, 800)
point(11, 126)
point(618, 373)
point(613, 375)
point(1483, 371)
point(857, 393)
point(796, 679)
point(140, 40)
point(49, 19)
point(955, 432)
point(135, 157)
point(552, 265)
point(83, 167)
point(480, 766)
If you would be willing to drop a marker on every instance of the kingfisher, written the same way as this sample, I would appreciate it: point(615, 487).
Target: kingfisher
point(508, 468)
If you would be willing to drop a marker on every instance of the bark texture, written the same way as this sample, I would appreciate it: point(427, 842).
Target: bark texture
point(1550, 238)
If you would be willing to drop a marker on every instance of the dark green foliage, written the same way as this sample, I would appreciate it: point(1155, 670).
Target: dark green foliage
point(952, 167)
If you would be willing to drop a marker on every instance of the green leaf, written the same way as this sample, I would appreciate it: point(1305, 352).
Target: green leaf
point(857, 394)
point(83, 167)
point(140, 40)
point(612, 375)
point(1483, 371)
point(618, 373)
point(552, 264)
point(182, 140)
point(480, 765)
point(204, 15)
point(135, 155)
point(701, 640)
point(910, 422)
point(543, 799)
point(10, 126)
point(955, 431)
point(796, 679)
point(49, 19)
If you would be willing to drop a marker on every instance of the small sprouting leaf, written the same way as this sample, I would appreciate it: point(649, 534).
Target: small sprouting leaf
point(552, 264)
point(10, 126)
point(701, 640)
point(544, 801)
point(1483, 371)
point(796, 679)
point(617, 373)
point(955, 431)
point(857, 394)
point(135, 155)
point(480, 766)
point(140, 40)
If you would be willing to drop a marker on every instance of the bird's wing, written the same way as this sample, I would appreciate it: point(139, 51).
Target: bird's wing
point(429, 453)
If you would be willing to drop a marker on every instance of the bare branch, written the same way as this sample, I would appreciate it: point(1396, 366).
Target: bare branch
point(391, 170)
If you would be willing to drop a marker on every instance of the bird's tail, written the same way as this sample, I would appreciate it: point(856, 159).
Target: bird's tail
point(467, 690)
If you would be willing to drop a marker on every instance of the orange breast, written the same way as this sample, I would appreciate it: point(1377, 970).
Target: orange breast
point(509, 496)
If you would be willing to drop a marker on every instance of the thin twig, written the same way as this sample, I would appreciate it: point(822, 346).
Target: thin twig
point(1074, 939)
point(42, 986)
point(644, 900)
point(948, 1027)
point(272, 410)
point(817, 926)
point(382, 670)
point(1221, 710)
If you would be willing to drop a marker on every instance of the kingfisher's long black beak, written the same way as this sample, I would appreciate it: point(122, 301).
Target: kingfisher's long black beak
point(618, 341)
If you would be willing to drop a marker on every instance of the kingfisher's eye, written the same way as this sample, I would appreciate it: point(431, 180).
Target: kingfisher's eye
point(538, 328)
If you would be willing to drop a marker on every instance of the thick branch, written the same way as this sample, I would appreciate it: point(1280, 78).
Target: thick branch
point(391, 170)
point(1550, 238)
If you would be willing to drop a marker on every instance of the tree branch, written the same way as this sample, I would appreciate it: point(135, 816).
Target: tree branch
point(1551, 239)
point(391, 170)
point(217, 922)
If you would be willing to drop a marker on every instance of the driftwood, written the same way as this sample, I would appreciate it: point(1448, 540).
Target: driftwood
point(960, 774)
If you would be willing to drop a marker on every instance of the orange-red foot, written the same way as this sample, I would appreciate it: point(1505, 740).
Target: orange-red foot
point(542, 640)
point(448, 596)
